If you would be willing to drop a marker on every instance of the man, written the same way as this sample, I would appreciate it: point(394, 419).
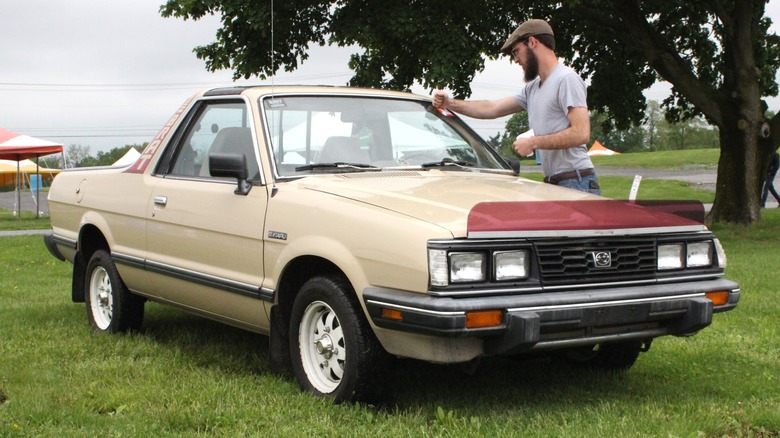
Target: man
point(554, 97)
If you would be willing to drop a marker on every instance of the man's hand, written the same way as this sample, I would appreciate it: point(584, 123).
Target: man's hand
point(440, 99)
point(524, 146)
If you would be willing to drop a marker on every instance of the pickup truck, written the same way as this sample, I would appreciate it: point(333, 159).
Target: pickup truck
point(352, 226)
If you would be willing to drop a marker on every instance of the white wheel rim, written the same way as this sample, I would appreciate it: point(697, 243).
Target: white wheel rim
point(321, 344)
point(101, 300)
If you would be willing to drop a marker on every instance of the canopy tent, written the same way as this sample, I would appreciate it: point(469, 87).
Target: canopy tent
point(18, 147)
point(599, 149)
point(9, 170)
point(130, 157)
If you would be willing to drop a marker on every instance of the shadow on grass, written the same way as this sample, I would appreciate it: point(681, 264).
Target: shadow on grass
point(535, 383)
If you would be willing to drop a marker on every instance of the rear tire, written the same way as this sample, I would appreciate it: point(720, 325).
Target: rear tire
point(110, 306)
point(611, 356)
point(333, 349)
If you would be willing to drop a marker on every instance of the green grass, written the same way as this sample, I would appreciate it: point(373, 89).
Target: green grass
point(185, 376)
point(619, 187)
point(684, 159)
point(25, 221)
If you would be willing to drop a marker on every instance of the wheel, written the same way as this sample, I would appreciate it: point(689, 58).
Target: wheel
point(614, 356)
point(110, 306)
point(334, 352)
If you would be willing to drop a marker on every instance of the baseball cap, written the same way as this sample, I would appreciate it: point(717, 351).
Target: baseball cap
point(529, 28)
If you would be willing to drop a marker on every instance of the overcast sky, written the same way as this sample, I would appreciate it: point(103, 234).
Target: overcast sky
point(104, 73)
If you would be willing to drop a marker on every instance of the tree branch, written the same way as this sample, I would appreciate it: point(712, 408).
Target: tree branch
point(666, 61)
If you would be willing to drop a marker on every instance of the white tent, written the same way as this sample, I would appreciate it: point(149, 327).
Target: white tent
point(130, 157)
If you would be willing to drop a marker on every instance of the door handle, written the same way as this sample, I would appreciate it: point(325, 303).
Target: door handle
point(161, 200)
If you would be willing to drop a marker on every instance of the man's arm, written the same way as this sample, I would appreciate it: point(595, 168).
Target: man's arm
point(478, 109)
point(576, 134)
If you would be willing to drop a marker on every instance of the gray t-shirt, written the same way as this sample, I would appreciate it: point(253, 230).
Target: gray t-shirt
point(548, 106)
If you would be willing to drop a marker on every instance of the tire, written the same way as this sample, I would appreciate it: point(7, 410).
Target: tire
point(333, 349)
point(612, 356)
point(111, 307)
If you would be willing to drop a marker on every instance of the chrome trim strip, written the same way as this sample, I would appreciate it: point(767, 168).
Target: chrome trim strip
point(481, 292)
point(414, 309)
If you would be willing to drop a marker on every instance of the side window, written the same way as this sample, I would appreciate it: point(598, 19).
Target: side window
point(219, 127)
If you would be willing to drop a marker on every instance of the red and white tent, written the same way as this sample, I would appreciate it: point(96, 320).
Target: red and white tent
point(18, 147)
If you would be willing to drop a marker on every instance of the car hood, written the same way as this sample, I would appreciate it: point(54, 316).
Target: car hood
point(474, 204)
point(444, 198)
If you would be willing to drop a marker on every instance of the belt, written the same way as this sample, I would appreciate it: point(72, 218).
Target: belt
point(555, 179)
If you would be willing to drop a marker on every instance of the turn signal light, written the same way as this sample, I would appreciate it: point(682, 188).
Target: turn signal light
point(392, 314)
point(485, 318)
point(719, 297)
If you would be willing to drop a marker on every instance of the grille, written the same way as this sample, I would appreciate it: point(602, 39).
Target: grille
point(565, 262)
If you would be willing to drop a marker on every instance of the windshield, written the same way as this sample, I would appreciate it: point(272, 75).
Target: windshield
point(334, 133)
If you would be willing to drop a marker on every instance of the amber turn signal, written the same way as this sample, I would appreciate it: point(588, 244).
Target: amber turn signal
point(485, 318)
point(718, 297)
point(392, 314)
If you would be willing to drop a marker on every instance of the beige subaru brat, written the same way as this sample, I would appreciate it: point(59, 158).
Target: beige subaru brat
point(351, 225)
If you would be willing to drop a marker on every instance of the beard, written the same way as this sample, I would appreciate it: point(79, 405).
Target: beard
point(531, 68)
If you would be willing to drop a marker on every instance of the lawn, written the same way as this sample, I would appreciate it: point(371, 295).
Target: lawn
point(185, 376)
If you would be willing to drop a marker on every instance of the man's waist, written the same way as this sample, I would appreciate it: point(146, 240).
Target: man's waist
point(558, 177)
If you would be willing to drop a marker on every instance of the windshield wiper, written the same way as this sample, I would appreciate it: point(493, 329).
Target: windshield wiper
point(337, 165)
point(447, 162)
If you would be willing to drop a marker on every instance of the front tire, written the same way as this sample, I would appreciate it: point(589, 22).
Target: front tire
point(334, 352)
point(110, 306)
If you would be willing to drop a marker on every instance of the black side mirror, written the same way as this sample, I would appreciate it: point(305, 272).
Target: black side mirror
point(513, 162)
point(231, 166)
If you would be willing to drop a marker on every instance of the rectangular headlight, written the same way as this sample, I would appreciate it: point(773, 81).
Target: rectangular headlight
point(510, 265)
point(467, 267)
point(699, 254)
point(670, 256)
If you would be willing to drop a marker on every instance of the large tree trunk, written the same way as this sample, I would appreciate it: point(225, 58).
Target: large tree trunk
point(740, 178)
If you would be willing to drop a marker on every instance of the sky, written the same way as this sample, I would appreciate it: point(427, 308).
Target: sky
point(106, 74)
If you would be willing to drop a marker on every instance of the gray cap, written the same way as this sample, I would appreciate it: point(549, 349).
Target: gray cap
point(529, 28)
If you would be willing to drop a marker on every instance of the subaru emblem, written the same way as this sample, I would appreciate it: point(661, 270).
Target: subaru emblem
point(602, 259)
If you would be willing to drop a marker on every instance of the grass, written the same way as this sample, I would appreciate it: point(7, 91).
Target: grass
point(683, 159)
point(185, 376)
point(25, 221)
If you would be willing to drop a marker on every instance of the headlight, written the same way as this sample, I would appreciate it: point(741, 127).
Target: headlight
point(699, 254)
point(670, 256)
point(467, 267)
point(510, 265)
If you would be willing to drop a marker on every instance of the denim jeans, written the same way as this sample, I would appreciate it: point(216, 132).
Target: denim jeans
point(588, 184)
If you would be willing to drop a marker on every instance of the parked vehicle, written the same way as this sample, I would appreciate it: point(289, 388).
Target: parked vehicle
point(351, 225)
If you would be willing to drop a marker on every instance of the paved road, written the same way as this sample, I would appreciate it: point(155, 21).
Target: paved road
point(8, 201)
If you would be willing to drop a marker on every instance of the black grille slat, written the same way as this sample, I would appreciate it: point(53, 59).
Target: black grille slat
point(565, 262)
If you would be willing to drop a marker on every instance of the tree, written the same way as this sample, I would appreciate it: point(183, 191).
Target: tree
point(717, 54)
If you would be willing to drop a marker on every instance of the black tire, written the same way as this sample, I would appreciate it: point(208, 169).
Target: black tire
point(333, 349)
point(110, 306)
point(611, 356)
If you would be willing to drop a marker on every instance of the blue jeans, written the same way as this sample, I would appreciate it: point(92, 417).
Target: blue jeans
point(588, 184)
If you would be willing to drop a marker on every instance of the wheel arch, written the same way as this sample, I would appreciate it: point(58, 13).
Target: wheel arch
point(90, 240)
point(297, 272)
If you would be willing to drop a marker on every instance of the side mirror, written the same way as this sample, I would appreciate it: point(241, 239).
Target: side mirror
point(513, 162)
point(231, 166)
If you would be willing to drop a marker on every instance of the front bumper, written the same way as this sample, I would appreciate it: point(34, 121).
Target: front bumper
point(556, 319)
